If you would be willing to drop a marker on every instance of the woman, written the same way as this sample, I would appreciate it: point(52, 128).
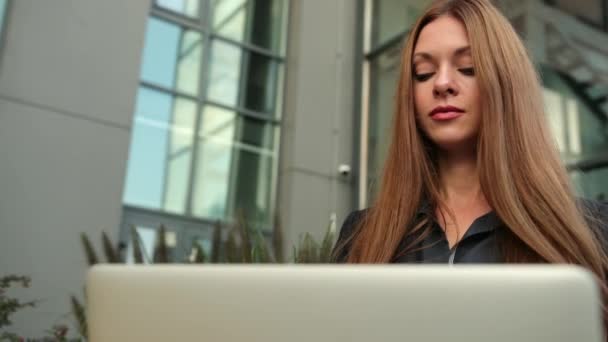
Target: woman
point(472, 173)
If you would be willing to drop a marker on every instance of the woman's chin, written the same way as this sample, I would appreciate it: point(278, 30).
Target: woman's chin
point(454, 142)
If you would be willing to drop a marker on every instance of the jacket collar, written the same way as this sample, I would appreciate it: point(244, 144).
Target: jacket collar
point(485, 223)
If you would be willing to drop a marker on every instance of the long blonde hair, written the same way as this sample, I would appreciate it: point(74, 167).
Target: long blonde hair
point(521, 173)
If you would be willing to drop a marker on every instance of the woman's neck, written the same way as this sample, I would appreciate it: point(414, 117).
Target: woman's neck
point(461, 194)
point(459, 178)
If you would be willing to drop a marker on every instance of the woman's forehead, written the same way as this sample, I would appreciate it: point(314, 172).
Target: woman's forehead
point(445, 33)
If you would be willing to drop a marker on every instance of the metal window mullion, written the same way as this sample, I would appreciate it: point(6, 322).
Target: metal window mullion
point(260, 116)
point(203, 84)
point(266, 117)
point(286, 27)
point(204, 14)
point(172, 118)
point(243, 79)
point(282, 67)
point(233, 172)
point(180, 20)
point(588, 164)
point(249, 21)
point(240, 123)
point(172, 92)
point(250, 47)
point(135, 214)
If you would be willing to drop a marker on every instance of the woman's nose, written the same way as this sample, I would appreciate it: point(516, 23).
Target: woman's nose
point(444, 84)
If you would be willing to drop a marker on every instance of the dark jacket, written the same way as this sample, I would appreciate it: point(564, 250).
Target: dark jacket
point(480, 244)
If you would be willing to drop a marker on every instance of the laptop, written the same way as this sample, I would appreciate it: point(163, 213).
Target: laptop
point(340, 303)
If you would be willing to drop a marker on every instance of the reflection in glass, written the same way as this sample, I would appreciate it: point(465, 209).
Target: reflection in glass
point(252, 185)
point(580, 132)
point(393, 17)
point(590, 11)
point(160, 154)
point(213, 160)
point(235, 162)
point(189, 63)
point(172, 56)
point(185, 7)
point(592, 184)
point(261, 84)
point(259, 22)
point(224, 74)
point(554, 109)
point(179, 157)
point(245, 79)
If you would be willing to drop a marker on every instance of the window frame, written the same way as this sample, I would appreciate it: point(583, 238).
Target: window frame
point(133, 213)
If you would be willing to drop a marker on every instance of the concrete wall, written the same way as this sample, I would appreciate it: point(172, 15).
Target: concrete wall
point(319, 126)
point(68, 78)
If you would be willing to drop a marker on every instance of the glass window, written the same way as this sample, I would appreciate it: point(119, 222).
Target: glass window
point(590, 11)
point(213, 160)
point(3, 4)
point(243, 79)
point(393, 17)
point(261, 83)
point(383, 80)
point(172, 57)
point(179, 156)
point(579, 132)
point(225, 73)
point(235, 162)
point(161, 151)
point(592, 184)
point(195, 149)
point(188, 8)
point(259, 22)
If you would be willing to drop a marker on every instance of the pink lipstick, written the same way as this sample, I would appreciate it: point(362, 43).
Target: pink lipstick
point(443, 113)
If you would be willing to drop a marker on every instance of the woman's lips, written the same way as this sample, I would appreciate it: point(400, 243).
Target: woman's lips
point(444, 113)
point(444, 116)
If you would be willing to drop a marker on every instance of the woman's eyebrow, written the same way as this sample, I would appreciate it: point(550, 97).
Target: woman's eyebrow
point(423, 55)
point(457, 53)
point(462, 51)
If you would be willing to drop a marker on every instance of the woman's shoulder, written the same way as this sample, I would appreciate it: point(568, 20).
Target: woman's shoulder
point(594, 208)
point(349, 226)
point(596, 214)
point(351, 222)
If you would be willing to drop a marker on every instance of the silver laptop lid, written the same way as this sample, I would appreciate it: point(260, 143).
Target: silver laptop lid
point(343, 303)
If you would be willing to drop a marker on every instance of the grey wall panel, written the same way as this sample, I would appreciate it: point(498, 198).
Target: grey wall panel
point(81, 57)
point(68, 80)
point(319, 119)
point(60, 176)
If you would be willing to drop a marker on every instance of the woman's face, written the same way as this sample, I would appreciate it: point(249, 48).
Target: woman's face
point(446, 93)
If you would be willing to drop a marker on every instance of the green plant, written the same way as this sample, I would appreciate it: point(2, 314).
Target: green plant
point(9, 306)
point(311, 252)
point(241, 245)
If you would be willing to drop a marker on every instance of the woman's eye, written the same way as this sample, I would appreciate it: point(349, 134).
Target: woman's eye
point(423, 77)
point(467, 71)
